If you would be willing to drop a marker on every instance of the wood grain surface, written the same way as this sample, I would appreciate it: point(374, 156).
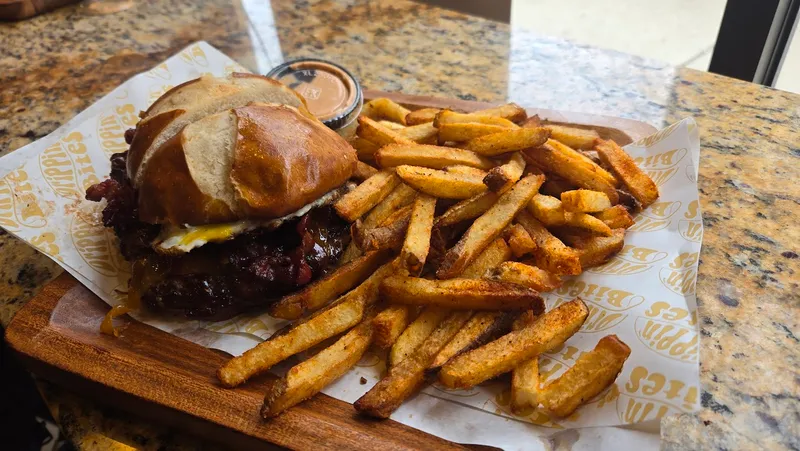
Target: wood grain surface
point(171, 380)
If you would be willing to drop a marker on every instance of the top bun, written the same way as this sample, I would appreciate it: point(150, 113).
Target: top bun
point(222, 149)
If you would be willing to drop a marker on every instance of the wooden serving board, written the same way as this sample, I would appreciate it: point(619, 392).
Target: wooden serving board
point(173, 381)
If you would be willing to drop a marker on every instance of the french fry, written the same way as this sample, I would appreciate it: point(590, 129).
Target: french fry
point(550, 212)
point(435, 157)
point(547, 158)
point(596, 250)
point(418, 234)
point(406, 377)
point(363, 171)
point(421, 134)
point(584, 201)
point(591, 374)
point(441, 184)
point(467, 209)
point(390, 323)
point(416, 333)
point(579, 158)
point(466, 170)
point(488, 227)
point(451, 117)
point(551, 254)
point(510, 111)
point(501, 356)
point(495, 253)
point(525, 377)
point(501, 178)
point(481, 328)
point(460, 294)
point(554, 185)
point(577, 138)
point(422, 116)
point(398, 215)
point(351, 252)
point(506, 141)
point(587, 222)
point(387, 109)
point(364, 149)
point(532, 122)
point(525, 275)
point(354, 204)
point(616, 217)
point(519, 240)
point(311, 376)
point(461, 131)
point(390, 235)
point(338, 317)
point(401, 196)
point(378, 134)
point(391, 125)
point(622, 165)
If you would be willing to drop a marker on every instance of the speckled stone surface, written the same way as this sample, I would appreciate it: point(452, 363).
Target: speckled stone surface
point(747, 289)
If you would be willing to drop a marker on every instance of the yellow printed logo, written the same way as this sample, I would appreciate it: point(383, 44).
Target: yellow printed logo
point(19, 205)
point(111, 127)
point(679, 276)
point(159, 72)
point(636, 403)
point(195, 55)
point(605, 304)
point(97, 246)
point(46, 243)
point(691, 227)
point(657, 137)
point(67, 168)
point(630, 260)
point(233, 67)
point(655, 217)
point(156, 91)
point(675, 341)
point(661, 167)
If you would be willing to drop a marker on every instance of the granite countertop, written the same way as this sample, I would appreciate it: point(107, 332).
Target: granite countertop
point(58, 64)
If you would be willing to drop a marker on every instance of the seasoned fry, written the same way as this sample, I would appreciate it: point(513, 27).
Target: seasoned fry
point(391, 125)
point(550, 212)
point(390, 235)
point(418, 234)
point(554, 185)
point(579, 158)
point(422, 116)
point(343, 314)
point(451, 117)
point(378, 134)
point(441, 184)
point(584, 201)
point(401, 196)
point(506, 141)
point(500, 356)
point(577, 138)
point(466, 170)
point(390, 323)
point(495, 253)
point(551, 254)
point(467, 209)
point(320, 292)
point(386, 109)
point(525, 378)
point(365, 149)
point(398, 215)
point(616, 217)
point(482, 327)
point(435, 157)
point(591, 374)
point(363, 171)
point(519, 240)
point(488, 227)
point(406, 377)
point(588, 222)
point(532, 122)
point(503, 177)
point(525, 275)
point(311, 376)
point(351, 252)
point(547, 158)
point(510, 111)
point(596, 250)
point(622, 165)
point(460, 131)
point(422, 133)
point(354, 204)
point(460, 294)
point(416, 333)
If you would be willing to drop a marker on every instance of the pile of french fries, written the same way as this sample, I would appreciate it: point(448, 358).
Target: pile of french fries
point(459, 222)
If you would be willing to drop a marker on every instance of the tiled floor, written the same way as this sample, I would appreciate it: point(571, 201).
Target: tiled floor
point(680, 32)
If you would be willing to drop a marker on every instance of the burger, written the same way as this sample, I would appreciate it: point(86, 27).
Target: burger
point(222, 201)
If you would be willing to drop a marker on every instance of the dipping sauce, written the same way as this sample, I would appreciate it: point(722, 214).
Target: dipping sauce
point(332, 94)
